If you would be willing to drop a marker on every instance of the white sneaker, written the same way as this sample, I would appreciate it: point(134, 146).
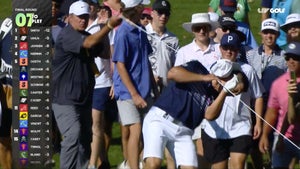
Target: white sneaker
point(123, 165)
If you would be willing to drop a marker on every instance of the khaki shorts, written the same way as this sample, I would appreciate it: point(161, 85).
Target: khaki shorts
point(129, 113)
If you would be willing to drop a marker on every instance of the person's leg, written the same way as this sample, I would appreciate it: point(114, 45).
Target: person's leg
point(97, 144)
point(133, 150)
point(238, 160)
point(131, 130)
point(202, 162)
point(184, 151)
point(239, 150)
point(75, 149)
point(5, 152)
point(216, 151)
point(220, 165)
point(169, 160)
point(5, 139)
point(154, 144)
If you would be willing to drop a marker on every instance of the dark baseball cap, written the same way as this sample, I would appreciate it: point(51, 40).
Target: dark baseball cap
point(228, 5)
point(293, 49)
point(161, 5)
point(231, 40)
point(227, 21)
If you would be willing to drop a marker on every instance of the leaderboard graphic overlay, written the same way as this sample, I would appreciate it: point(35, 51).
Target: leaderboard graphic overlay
point(31, 83)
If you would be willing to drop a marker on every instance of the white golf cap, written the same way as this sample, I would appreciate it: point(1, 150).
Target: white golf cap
point(79, 8)
point(133, 3)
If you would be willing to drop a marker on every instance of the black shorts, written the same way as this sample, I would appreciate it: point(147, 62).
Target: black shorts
point(217, 150)
point(5, 128)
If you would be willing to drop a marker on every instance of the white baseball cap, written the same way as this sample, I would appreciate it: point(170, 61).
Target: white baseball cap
point(270, 24)
point(79, 8)
point(290, 19)
point(133, 3)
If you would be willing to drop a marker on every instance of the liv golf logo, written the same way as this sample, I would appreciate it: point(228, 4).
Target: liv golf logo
point(271, 10)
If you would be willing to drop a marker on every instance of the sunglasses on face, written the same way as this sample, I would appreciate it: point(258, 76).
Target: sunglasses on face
point(145, 16)
point(269, 31)
point(161, 12)
point(291, 56)
point(205, 28)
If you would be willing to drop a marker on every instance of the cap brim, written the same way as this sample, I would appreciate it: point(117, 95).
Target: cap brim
point(241, 35)
point(285, 26)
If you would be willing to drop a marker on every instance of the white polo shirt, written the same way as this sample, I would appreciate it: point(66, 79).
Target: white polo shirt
point(193, 52)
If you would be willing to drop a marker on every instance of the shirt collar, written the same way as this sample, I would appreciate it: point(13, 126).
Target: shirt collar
point(276, 50)
point(211, 46)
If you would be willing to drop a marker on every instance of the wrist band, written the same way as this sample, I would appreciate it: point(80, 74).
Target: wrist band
point(109, 25)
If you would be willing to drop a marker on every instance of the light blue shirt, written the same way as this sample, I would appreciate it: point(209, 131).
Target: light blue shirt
point(132, 48)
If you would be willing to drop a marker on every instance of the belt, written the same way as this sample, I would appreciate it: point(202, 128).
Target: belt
point(165, 115)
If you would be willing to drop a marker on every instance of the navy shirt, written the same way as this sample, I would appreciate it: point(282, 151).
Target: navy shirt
point(72, 76)
point(187, 102)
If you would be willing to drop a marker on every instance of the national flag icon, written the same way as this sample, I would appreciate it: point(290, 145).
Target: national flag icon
point(23, 54)
point(23, 131)
point(23, 154)
point(23, 161)
point(23, 61)
point(23, 76)
point(23, 85)
point(23, 92)
point(23, 100)
point(23, 147)
point(23, 123)
point(23, 139)
point(23, 115)
point(23, 108)
point(23, 45)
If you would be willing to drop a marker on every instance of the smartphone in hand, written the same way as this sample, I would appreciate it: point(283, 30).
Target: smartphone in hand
point(293, 75)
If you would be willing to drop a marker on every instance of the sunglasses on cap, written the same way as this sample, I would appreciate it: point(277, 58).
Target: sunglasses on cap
point(146, 16)
point(226, 28)
point(293, 56)
point(161, 12)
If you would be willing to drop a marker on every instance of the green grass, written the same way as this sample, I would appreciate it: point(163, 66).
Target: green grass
point(181, 12)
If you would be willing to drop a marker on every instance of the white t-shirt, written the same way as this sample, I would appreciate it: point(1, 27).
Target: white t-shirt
point(104, 65)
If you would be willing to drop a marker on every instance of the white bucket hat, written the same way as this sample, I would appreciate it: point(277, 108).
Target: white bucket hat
point(292, 18)
point(199, 18)
point(133, 3)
